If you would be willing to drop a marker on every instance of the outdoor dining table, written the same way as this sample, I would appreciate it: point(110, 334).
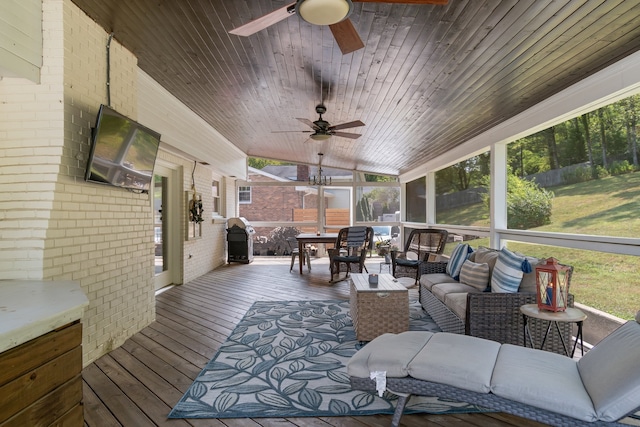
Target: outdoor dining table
point(307, 238)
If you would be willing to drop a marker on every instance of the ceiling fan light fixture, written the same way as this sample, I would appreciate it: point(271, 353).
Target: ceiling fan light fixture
point(323, 12)
point(320, 136)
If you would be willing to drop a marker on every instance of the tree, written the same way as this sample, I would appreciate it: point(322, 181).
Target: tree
point(467, 174)
point(587, 136)
point(603, 137)
point(631, 122)
point(549, 135)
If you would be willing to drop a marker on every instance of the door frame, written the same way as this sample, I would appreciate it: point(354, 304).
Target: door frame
point(171, 213)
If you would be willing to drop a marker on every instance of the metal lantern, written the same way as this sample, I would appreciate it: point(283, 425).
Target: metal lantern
point(552, 283)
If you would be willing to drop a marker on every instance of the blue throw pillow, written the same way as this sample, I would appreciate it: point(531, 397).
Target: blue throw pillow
point(508, 271)
point(458, 257)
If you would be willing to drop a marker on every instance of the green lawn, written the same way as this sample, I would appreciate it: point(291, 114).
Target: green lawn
point(604, 207)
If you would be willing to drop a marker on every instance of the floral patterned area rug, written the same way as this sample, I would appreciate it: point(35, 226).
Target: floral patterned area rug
point(288, 359)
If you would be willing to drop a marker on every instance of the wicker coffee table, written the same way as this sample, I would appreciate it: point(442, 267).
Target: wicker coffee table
point(376, 310)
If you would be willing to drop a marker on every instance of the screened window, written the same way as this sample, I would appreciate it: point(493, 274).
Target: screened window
point(416, 203)
point(461, 191)
point(579, 176)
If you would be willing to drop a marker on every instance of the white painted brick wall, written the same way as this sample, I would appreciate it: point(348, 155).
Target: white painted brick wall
point(53, 224)
point(31, 126)
point(104, 234)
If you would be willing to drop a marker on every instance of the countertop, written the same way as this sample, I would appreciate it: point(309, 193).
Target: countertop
point(31, 308)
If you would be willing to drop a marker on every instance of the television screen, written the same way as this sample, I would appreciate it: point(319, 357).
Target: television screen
point(123, 152)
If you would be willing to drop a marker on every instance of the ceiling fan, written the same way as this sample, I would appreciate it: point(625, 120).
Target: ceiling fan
point(323, 130)
point(334, 13)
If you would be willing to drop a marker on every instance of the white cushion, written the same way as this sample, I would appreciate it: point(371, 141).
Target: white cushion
point(474, 274)
point(542, 379)
point(458, 257)
point(458, 360)
point(388, 352)
point(611, 372)
point(508, 271)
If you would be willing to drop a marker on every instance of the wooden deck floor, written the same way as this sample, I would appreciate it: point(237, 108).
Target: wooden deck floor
point(137, 384)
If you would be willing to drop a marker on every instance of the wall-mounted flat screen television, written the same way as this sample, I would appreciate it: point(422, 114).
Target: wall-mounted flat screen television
point(123, 152)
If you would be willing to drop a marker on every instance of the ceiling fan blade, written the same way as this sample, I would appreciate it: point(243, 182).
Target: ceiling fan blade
point(307, 122)
point(291, 131)
point(405, 1)
point(347, 125)
point(264, 21)
point(347, 135)
point(346, 36)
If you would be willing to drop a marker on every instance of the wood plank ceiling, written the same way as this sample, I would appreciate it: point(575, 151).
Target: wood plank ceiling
point(429, 78)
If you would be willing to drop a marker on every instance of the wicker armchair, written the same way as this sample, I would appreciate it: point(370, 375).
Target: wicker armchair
point(494, 316)
point(419, 245)
point(343, 255)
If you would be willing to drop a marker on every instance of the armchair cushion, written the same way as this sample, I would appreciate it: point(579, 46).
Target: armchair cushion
point(407, 262)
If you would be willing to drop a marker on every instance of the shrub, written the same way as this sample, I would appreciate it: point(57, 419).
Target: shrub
point(619, 168)
point(580, 174)
point(528, 205)
point(601, 172)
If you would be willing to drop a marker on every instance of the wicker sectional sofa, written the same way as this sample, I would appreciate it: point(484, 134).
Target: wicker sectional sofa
point(463, 309)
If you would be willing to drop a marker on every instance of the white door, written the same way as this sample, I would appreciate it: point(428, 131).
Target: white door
point(166, 202)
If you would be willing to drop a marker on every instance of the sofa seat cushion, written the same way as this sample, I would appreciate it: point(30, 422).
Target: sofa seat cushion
point(542, 379)
point(458, 360)
point(615, 391)
point(391, 353)
point(429, 280)
point(457, 302)
point(442, 289)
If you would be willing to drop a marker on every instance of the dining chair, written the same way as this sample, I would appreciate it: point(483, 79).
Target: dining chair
point(295, 252)
point(351, 247)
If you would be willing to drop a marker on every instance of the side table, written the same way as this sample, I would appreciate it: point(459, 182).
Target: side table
point(376, 310)
point(570, 315)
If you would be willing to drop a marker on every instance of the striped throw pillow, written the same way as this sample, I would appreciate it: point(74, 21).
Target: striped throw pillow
point(508, 271)
point(458, 257)
point(475, 274)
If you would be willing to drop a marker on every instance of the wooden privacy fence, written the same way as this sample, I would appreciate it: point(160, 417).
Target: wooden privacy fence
point(333, 217)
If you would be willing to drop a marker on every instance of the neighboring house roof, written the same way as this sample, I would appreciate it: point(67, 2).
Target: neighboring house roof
point(266, 173)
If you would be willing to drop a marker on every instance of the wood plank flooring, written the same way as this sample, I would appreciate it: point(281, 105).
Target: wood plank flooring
point(137, 384)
